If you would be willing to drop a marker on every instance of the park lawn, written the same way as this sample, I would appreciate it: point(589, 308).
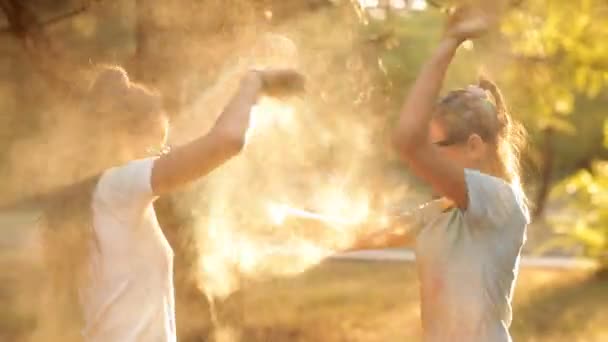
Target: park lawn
point(378, 301)
point(370, 301)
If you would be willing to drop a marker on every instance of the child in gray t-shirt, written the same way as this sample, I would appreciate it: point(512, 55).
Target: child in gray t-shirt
point(466, 146)
point(467, 260)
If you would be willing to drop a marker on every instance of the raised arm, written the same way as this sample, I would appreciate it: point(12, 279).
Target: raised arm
point(411, 137)
point(227, 137)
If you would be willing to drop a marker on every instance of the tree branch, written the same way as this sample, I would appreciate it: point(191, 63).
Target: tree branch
point(15, 26)
point(46, 58)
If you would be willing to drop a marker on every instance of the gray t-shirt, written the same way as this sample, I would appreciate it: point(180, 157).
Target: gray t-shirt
point(468, 262)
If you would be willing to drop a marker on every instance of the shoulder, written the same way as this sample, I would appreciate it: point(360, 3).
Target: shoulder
point(125, 172)
point(127, 183)
point(492, 199)
point(481, 184)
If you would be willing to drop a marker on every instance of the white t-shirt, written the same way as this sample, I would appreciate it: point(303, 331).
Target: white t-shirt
point(130, 295)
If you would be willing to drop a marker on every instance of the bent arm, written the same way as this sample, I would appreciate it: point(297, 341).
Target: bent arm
point(394, 230)
point(226, 139)
point(412, 133)
point(400, 231)
point(411, 137)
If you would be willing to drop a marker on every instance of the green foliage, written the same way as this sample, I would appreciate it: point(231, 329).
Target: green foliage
point(556, 71)
point(606, 133)
point(568, 39)
point(549, 59)
point(585, 219)
point(560, 49)
point(404, 42)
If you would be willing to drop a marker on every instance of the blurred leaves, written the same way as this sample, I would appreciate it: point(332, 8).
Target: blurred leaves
point(561, 48)
point(585, 218)
point(551, 59)
point(606, 133)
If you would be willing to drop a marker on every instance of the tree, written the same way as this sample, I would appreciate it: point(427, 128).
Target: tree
point(549, 58)
point(584, 221)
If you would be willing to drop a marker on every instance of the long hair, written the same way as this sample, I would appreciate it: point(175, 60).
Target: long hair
point(472, 111)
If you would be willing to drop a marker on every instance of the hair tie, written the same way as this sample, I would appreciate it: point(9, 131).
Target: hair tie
point(477, 91)
point(489, 105)
point(482, 94)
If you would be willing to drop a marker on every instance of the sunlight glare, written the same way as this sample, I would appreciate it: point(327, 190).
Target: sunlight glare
point(369, 3)
point(419, 5)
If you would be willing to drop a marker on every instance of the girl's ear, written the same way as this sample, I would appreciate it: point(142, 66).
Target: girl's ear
point(476, 146)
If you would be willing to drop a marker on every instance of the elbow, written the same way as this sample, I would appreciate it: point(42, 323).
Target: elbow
point(232, 141)
point(405, 141)
point(235, 144)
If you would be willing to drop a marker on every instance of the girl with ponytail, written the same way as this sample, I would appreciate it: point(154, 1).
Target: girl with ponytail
point(468, 243)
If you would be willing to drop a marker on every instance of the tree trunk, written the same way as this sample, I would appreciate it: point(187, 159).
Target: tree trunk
point(546, 172)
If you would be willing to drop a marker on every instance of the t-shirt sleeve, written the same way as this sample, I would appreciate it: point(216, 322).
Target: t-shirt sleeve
point(127, 187)
point(491, 200)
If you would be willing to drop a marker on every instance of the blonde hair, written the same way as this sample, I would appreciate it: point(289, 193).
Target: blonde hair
point(108, 91)
point(471, 111)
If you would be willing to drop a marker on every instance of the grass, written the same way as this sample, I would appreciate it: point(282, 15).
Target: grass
point(371, 301)
point(340, 301)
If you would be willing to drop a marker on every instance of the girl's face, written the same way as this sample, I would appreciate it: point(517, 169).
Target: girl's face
point(467, 153)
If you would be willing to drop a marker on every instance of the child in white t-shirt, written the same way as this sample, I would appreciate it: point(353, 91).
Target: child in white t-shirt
point(105, 240)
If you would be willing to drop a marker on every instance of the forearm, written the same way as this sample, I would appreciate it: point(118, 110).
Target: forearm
point(391, 230)
point(416, 113)
point(191, 161)
point(384, 238)
point(234, 121)
point(225, 140)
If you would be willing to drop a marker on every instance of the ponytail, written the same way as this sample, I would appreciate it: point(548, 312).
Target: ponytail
point(511, 136)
